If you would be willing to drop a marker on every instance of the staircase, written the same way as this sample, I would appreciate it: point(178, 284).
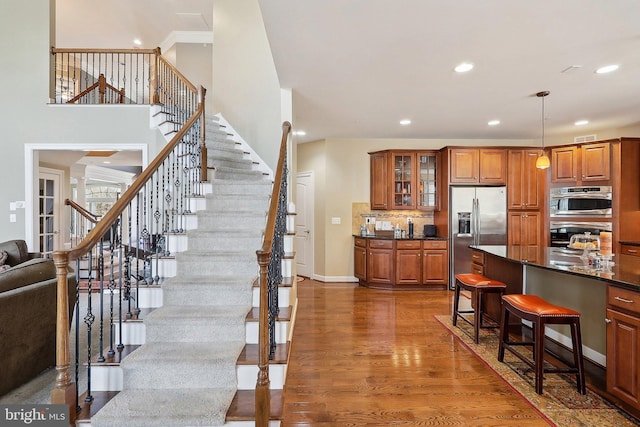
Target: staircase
point(198, 332)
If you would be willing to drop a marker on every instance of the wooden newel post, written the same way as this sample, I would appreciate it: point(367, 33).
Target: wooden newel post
point(65, 389)
point(263, 394)
point(154, 76)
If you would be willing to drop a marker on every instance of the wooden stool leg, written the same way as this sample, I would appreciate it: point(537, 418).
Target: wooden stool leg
point(538, 352)
point(577, 356)
point(477, 316)
point(504, 332)
point(456, 303)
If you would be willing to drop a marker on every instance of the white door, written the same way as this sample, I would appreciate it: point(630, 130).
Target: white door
point(49, 202)
point(304, 224)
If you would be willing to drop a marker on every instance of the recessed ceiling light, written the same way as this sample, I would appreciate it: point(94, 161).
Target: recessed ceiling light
point(493, 122)
point(405, 122)
point(299, 133)
point(607, 69)
point(464, 67)
point(137, 42)
point(581, 122)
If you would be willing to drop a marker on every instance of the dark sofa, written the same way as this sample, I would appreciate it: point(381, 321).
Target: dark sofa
point(28, 315)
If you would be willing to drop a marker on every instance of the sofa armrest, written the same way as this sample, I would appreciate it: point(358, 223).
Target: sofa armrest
point(29, 272)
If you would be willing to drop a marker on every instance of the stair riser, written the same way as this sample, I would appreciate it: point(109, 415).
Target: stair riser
point(231, 164)
point(148, 297)
point(133, 333)
point(225, 220)
point(248, 374)
point(224, 266)
point(282, 332)
point(233, 174)
point(211, 296)
point(283, 297)
point(225, 240)
point(229, 154)
point(262, 188)
point(238, 202)
point(177, 243)
point(192, 330)
point(197, 204)
point(166, 375)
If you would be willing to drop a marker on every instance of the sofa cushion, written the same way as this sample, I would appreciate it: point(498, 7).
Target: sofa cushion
point(32, 271)
point(16, 250)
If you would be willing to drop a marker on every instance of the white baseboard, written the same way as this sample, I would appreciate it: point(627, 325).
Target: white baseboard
point(334, 279)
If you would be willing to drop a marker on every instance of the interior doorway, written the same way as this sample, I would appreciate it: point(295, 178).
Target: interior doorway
point(304, 224)
point(49, 202)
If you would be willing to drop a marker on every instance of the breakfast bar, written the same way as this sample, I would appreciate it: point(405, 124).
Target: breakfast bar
point(608, 298)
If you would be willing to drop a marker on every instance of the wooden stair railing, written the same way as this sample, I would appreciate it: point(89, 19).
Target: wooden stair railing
point(166, 176)
point(102, 87)
point(269, 260)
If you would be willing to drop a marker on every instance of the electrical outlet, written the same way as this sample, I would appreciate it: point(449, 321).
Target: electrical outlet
point(370, 220)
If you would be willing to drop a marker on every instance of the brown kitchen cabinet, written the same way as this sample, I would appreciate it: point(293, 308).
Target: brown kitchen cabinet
point(630, 250)
point(578, 164)
point(477, 166)
point(525, 182)
point(360, 258)
point(404, 179)
point(401, 263)
point(408, 262)
point(379, 185)
point(477, 262)
point(524, 231)
point(380, 262)
point(623, 345)
point(435, 263)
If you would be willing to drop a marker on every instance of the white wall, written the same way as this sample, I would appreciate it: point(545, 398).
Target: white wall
point(245, 84)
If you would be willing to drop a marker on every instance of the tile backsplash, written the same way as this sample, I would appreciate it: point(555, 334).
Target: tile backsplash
point(360, 212)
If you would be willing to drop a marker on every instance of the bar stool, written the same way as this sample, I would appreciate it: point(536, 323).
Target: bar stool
point(541, 313)
point(478, 285)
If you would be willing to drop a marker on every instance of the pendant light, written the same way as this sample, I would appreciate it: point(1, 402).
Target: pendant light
point(543, 161)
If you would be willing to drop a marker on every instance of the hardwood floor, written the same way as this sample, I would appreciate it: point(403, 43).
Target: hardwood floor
point(365, 357)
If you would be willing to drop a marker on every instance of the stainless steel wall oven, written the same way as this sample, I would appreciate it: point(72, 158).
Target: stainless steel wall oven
point(561, 231)
point(571, 202)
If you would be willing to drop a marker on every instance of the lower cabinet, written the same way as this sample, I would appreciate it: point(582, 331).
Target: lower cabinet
point(401, 263)
point(360, 258)
point(524, 231)
point(623, 345)
point(380, 255)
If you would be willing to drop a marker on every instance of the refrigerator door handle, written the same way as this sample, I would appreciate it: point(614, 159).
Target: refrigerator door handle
point(478, 230)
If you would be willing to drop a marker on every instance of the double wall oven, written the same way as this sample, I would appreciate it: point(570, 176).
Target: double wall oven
point(578, 210)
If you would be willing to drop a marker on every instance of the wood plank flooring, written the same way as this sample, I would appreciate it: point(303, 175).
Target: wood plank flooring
point(365, 357)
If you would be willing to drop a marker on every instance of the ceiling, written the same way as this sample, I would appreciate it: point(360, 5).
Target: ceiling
point(358, 67)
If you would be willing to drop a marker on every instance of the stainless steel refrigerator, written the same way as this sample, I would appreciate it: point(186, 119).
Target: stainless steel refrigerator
point(478, 216)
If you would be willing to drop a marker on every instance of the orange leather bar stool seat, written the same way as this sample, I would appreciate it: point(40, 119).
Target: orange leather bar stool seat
point(541, 313)
point(478, 285)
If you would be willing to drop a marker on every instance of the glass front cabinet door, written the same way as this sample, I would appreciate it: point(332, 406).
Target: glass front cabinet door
point(427, 180)
point(403, 173)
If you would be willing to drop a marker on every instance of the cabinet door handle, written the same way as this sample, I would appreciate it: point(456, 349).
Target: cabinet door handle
point(628, 301)
point(632, 251)
point(607, 320)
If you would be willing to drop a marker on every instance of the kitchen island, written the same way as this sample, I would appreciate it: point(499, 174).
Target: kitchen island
point(608, 300)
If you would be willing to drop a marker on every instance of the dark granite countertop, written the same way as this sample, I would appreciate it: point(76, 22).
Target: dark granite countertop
point(625, 272)
point(415, 237)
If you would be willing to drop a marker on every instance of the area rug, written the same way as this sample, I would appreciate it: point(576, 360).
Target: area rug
point(560, 401)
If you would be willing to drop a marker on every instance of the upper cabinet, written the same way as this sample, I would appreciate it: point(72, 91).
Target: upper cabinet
point(477, 166)
point(578, 164)
point(525, 183)
point(404, 179)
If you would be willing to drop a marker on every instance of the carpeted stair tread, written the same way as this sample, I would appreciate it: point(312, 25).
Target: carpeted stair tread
point(179, 408)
